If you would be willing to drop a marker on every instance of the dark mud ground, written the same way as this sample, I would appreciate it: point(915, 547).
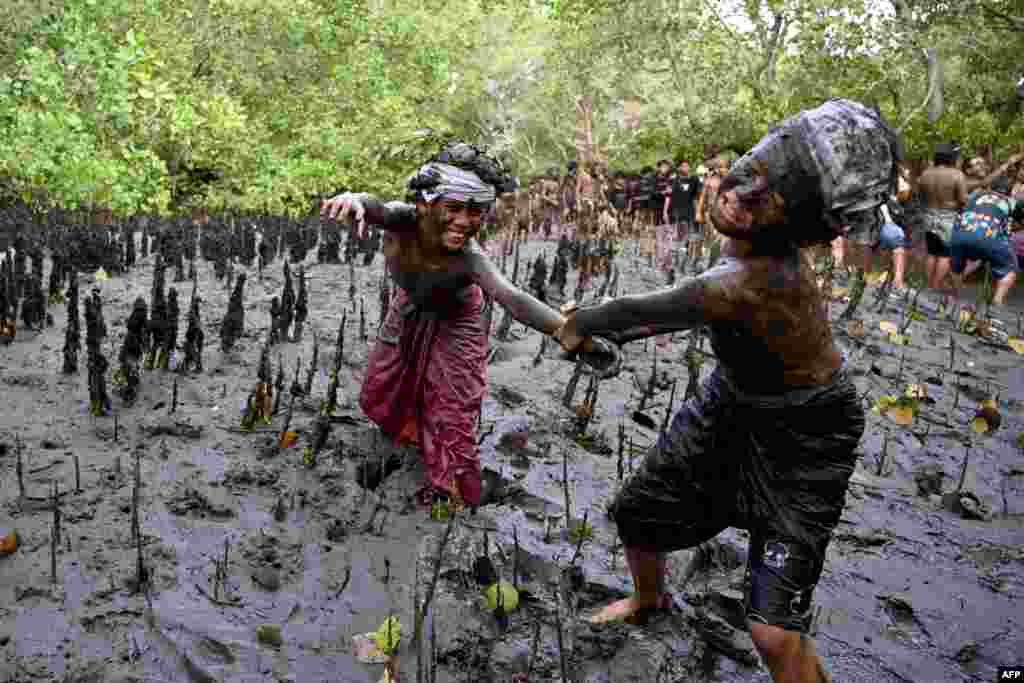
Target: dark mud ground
point(911, 591)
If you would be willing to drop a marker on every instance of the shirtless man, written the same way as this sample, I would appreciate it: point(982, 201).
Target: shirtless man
point(568, 197)
point(550, 202)
point(943, 190)
point(719, 168)
point(427, 374)
point(769, 442)
point(586, 220)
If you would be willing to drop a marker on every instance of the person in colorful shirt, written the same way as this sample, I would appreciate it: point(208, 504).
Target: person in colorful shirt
point(983, 233)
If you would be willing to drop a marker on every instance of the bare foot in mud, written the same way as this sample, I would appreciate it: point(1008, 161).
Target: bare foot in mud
point(631, 611)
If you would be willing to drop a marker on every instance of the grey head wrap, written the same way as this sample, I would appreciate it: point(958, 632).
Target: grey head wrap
point(434, 180)
point(833, 166)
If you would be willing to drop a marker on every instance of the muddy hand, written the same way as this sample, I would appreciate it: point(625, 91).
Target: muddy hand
point(343, 206)
point(603, 356)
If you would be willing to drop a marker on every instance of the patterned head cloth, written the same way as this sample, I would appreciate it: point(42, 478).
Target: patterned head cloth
point(833, 166)
point(462, 172)
point(434, 180)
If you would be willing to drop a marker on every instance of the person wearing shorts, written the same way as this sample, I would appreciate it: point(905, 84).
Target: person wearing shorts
point(888, 237)
point(983, 233)
point(943, 190)
point(769, 441)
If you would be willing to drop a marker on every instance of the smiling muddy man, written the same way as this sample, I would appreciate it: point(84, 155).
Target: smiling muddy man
point(768, 443)
point(427, 375)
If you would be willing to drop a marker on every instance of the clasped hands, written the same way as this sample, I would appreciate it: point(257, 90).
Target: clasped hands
point(599, 353)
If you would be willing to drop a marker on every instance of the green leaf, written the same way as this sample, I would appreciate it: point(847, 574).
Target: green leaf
point(388, 636)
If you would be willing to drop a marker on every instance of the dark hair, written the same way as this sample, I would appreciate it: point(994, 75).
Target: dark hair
point(469, 158)
point(947, 153)
point(1001, 184)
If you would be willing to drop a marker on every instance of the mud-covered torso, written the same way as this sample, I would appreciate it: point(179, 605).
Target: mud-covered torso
point(778, 335)
point(710, 195)
point(505, 211)
point(430, 290)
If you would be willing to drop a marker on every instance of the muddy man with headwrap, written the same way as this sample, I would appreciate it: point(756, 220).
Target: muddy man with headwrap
point(768, 444)
point(427, 374)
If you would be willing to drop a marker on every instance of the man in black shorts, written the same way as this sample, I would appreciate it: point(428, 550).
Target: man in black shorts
point(683, 202)
point(943, 190)
point(768, 444)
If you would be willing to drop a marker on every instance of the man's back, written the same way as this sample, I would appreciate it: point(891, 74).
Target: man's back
point(943, 187)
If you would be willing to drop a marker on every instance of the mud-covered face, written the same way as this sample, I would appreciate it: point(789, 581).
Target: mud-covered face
point(820, 171)
point(450, 224)
point(750, 199)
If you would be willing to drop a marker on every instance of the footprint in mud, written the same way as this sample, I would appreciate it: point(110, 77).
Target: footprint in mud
point(903, 622)
point(187, 500)
point(370, 474)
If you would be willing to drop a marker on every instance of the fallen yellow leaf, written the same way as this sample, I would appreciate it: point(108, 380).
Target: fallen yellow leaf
point(979, 425)
point(288, 439)
point(875, 278)
point(966, 316)
point(840, 292)
point(901, 415)
point(8, 542)
point(888, 327)
point(990, 414)
point(899, 339)
point(1016, 344)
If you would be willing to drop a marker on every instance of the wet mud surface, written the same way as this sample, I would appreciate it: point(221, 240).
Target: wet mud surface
point(915, 587)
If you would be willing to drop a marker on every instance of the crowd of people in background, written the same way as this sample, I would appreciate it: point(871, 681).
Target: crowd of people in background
point(592, 207)
point(963, 216)
point(957, 215)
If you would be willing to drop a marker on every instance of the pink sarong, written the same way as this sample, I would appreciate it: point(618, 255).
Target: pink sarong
point(425, 380)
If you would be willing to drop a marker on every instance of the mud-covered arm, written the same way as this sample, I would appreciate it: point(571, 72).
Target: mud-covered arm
point(396, 216)
point(973, 184)
point(363, 208)
point(696, 301)
point(526, 309)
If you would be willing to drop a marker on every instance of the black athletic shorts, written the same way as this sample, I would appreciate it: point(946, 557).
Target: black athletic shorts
point(934, 245)
point(776, 465)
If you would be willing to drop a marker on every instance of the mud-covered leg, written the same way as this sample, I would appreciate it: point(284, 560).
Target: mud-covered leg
point(648, 568)
point(790, 655)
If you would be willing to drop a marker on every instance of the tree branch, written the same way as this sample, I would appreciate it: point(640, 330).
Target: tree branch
point(1012, 22)
point(927, 99)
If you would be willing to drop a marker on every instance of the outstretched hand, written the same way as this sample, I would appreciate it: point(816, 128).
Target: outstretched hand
point(343, 206)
